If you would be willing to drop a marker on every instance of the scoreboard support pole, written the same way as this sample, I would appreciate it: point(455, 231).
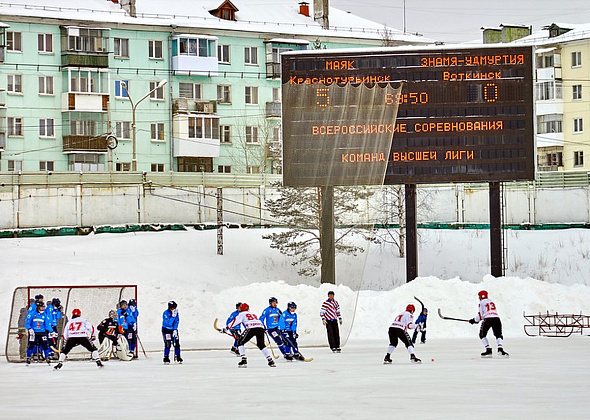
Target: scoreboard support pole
point(495, 230)
point(411, 233)
point(327, 245)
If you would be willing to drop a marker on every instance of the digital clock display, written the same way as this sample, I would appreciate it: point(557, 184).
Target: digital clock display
point(464, 115)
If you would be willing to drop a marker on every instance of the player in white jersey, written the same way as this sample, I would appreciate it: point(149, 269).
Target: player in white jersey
point(253, 328)
point(78, 332)
point(489, 315)
point(398, 332)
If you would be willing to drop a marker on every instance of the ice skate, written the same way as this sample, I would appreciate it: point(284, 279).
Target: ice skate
point(178, 359)
point(243, 363)
point(28, 362)
point(271, 363)
point(166, 360)
point(387, 359)
point(288, 357)
point(58, 366)
point(99, 364)
point(338, 350)
point(502, 353)
point(234, 350)
point(299, 356)
point(487, 354)
point(414, 359)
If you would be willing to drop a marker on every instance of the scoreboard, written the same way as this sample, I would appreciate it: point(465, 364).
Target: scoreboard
point(463, 115)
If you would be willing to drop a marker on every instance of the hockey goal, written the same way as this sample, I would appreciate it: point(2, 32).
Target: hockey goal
point(95, 302)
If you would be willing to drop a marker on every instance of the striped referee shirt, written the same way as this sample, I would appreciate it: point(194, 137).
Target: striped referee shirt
point(330, 310)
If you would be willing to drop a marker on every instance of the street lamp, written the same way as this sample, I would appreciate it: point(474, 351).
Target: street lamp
point(133, 107)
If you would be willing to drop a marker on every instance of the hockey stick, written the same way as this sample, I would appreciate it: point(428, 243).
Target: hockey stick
point(141, 345)
point(451, 319)
point(220, 330)
point(270, 345)
point(422, 310)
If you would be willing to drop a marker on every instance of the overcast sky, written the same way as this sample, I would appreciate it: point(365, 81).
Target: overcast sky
point(461, 20)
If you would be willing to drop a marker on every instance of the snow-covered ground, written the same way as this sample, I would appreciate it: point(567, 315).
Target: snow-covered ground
point(543, 378)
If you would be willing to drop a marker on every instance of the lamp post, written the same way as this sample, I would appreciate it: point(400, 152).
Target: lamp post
point(133, 108)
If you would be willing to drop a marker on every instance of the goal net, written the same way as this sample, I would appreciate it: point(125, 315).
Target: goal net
point(95, 302)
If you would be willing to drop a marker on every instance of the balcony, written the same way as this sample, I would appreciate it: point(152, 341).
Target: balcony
point(273, 110)
point(548, 73)
point(84, 47)
point(195, 135)
point(84, 102)
point(77, 143)
point(273, 149)
point(187, 106)
point(195, 55)
point(273, 70)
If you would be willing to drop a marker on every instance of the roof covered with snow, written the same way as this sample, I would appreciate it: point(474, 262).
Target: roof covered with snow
point(578, 32)
point(277, 17)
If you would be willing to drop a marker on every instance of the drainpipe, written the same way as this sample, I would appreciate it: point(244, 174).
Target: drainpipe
point(170, 118)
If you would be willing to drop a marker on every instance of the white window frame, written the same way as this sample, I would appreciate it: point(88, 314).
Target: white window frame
point(577, 59)
point(46, 128)
point(276, 94)
point(121, 93)
point(46, 165)
point(578, 125)
point(15, 165)
point(579, 158)
point(222, 98)
point(15, 126)
point(253, 169)
point(46, 85)
point(45, 43)
point(225, 134)
point(252, 134)
point(158, 132)
point(157, 94)
point(157, 167)
point(153, 49)
point(14, 41)
point(251, 95)
point(224, 169)
point(251, 56)
point(123, 167)
point(123, 130)
point(208, 126)
point(121, 47)
point(196, 90)
point(577, 92)
point(223, 53)
point(14, 84)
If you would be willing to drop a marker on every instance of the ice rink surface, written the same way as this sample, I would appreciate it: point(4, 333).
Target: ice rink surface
point(544, 378)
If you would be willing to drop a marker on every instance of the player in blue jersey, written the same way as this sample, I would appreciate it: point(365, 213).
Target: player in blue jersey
point(288, 327)
point(54, 310)
point(170, 321)
point(38, 324)
point(236, 330)
point(127, 321)
point(270, 318)
point(33, 304)
point(420, 326)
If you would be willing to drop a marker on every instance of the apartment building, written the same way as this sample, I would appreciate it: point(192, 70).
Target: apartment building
point(139, 85)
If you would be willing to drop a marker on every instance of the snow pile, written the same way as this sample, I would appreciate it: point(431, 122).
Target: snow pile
point(183, 266)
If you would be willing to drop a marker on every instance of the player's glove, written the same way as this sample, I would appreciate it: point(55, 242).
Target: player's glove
point(340, 321)
point(32, 333)
point(223, 331)
point(92, 338)
point(472, 321)
point(295, 335)
point(175, 334)
point(134, 327)
point(324, 321)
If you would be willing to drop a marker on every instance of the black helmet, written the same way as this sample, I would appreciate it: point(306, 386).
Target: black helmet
point(172, 305)
point(273, 299)
point(132, 302)
point(55, 302)
point(40, 305)
point(292, 305)
point(238, 305)
point(38, 297)
point(123, 302)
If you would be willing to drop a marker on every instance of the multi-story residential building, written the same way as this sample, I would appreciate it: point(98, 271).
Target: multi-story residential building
point(190, 87)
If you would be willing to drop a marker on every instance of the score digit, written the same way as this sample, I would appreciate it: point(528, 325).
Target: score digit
point(324, 99)
point(490, 92)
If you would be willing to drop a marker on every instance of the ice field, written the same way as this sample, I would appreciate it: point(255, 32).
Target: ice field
point(544, 378)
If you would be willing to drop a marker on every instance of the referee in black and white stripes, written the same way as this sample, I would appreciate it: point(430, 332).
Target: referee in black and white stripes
point(330, 314)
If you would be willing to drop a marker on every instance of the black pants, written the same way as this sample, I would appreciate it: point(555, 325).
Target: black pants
point(251, 333)
point(78, 341)
point(333, 334)
point(396, 334)
point(422, 338)
point(495, 324)
point(112, 337)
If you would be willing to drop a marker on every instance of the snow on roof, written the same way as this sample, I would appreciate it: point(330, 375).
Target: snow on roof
point(277, 17)
point(577, 32)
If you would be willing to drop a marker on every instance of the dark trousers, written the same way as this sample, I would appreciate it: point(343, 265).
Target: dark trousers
point(251, 333)
point(170, 339)
point(495, 324)
point(78, 341)
point(131, 338)
point(333, 334)
point(422, 338)
point(397, 334)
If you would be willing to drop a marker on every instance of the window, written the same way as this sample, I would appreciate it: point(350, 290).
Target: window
point(123, 166)
point(45, 85)
point(251, 134)
point(87, 81)
point(158, 94)
point(224, 169)
point(276, 94)
point(15, 126)
point(46, 165)
point(251, 55)
point(120, 92)
point(554, 159)
point(550, 123)
point(224, 94)
point(45, 43)
point(155, 49)
point(86, 162)
point(578, 126)
point(225, 131)
point(251, 95)
point(121, 47)
point(46, 127)
point(83, 128)
point(276, 133)
point(203, 128)
point(15, 165)
point(252, 169)
point(123, 130)
point(87, 40)
point(157, 167)
point(223, 54)
point(157, 131)
point(549, 90)
point(196, 47)
point(577, 92)
point(576, 58)
point(14, 83)
point(190, 90)
point(579, 158)
point(14, 41)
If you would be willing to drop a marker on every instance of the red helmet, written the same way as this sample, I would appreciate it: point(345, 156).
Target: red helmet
point(482, 295)
point(411, 308)
point(244, 307)
point(76, 312)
